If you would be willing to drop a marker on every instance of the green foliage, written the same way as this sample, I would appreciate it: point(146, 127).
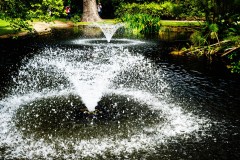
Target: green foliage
point(168, 9)
point(14, 9)
point(18, 24)
point(142, 23)
point(188, 9)
point(5, 27)
point(234, 57)
point(201, 37)
point(213, 27)
point(15, 12)
point(19, 12)
point(165, 9)
point(214, 31)
point(76, 18)
point(197, 39)
point(235, 65)
point(233, 34)
point(44, 9)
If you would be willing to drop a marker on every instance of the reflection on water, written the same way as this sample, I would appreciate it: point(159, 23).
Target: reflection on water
point(150, 107)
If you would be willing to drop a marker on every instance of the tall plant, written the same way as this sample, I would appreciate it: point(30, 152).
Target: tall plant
point(142, 23)
point(214, 32)
point(198, 39)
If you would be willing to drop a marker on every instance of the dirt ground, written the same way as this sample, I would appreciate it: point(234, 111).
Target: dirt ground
point(41, 27)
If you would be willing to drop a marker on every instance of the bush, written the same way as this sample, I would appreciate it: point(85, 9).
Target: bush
point(164, 10)
point(76, 18)
point(46, 8)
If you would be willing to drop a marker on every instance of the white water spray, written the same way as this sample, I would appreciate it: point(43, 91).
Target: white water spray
point(91, 74)
point(109, 29)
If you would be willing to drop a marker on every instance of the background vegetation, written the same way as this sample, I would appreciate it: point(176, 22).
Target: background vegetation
point(221, 19)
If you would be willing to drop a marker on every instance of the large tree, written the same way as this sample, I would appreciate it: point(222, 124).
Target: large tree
point(90, 13)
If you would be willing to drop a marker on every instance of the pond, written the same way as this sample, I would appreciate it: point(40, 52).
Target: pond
point(73, 95)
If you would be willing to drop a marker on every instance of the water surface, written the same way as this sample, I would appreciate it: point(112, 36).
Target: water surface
point(149, 105)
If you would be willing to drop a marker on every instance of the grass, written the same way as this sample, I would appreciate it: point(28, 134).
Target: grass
point(5, 28)
point(109, 21)
point(77, 24)
point(181, 23)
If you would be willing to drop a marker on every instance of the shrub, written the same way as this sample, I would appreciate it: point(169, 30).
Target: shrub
point(46, 9)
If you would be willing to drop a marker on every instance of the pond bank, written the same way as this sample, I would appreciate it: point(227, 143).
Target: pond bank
point(46, 27)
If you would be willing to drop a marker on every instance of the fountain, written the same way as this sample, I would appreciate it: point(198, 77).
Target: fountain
point(135, 109)
point(108, 29)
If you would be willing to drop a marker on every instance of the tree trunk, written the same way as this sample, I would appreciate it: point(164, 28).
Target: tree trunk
point(90, 13)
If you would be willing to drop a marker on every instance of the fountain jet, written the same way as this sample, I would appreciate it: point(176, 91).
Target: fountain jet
point(109, 29)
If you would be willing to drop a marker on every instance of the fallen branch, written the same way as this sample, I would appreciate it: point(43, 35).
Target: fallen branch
point(199, 49)
point(230, 51)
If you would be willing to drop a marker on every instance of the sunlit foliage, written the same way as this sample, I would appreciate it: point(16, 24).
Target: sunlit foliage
point(46, 8)
point(19, 12)
point(164, 10)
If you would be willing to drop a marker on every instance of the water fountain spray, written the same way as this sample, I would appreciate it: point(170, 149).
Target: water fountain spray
point(44, 114)
point(108, 29)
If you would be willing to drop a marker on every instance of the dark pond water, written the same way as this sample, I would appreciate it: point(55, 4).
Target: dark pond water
point(150, 105)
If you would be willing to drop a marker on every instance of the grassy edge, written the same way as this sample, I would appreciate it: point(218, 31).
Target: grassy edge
point(109, 21)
